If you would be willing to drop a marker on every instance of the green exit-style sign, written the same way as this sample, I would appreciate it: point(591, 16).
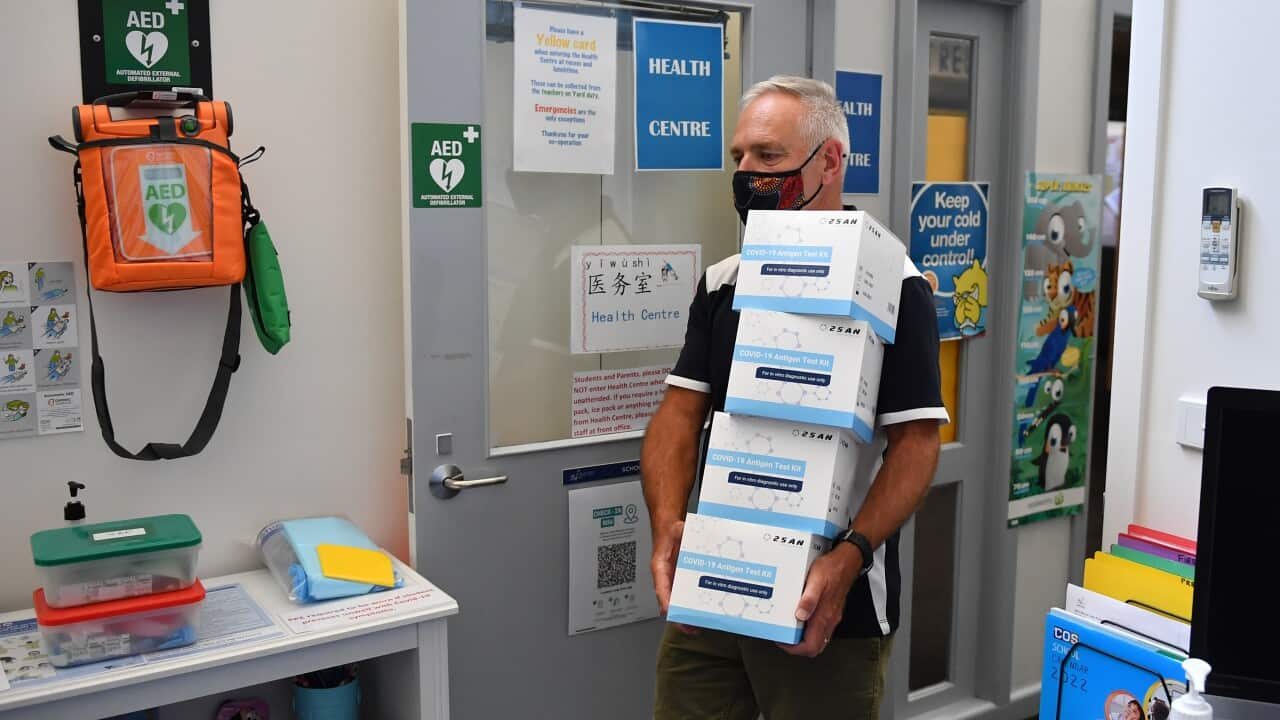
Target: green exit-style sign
point(144, 45)
point(446, 165)
point(146, 42)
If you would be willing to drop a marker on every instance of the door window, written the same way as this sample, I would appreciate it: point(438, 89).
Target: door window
point(534, 220)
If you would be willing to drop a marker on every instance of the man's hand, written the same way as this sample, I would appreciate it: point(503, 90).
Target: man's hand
point(822, 604)
point(666, 548)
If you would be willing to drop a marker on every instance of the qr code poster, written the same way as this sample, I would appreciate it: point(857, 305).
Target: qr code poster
point(609, 550)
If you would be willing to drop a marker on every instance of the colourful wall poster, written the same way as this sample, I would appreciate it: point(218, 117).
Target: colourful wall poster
point(859, 95)
point(679, 95)
point(631, 297)
point(1055, 354)
point(565, 91)
point(949, 246)
point(39, 350)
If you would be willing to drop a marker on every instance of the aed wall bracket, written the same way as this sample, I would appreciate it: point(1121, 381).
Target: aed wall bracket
point(132, 45)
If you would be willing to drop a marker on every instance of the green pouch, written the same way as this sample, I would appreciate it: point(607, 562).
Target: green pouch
point(264, 289)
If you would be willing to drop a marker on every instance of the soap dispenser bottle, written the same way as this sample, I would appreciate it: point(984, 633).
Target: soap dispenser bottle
point(1192, 706)
point(73, 511)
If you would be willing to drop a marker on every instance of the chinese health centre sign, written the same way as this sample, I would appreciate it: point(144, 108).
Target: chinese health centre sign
point(631, 297)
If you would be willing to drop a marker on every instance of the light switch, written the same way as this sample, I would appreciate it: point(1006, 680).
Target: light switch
point(1191, 422)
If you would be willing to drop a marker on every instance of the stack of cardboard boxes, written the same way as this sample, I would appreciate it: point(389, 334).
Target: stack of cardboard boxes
point(818, 295)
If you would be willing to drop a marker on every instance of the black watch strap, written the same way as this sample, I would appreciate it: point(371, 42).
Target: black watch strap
point(861, 542)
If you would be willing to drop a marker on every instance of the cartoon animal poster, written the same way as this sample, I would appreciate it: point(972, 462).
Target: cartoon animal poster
point(39, 350)
point(949, 246)
point(1053, 391)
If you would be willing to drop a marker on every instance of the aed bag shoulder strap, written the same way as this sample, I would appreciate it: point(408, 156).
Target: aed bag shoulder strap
point(228, 363)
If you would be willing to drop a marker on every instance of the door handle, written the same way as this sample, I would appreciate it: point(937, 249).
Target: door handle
point(448, 480)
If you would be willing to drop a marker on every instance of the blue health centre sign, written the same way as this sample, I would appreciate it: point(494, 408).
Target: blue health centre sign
point(679, 95)
point(949, 245)
point(859, 95)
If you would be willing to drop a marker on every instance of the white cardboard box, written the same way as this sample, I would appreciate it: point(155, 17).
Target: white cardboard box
point(822, 263)
point(742, 578)
point(806, 368)
point(786, 474)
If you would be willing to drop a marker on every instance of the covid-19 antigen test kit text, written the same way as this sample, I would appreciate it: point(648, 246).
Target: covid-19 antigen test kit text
point(822, 263)
point(786, 474)
point(742, 578)
point(806, 368)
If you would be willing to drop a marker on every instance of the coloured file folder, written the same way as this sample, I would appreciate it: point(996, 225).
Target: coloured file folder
point(1130, 582)
point(1154, 561)
point(1130, 541)
point(1162, 538)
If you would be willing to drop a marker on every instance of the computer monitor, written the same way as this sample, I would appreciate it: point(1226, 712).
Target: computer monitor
point(1235, 623)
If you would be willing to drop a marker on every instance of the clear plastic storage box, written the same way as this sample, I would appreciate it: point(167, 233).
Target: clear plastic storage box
point(115, 560)
point(118, 628)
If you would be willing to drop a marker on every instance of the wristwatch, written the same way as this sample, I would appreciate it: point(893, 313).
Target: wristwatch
point(860, 541)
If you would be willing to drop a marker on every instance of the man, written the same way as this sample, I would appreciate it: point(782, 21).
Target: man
point(789, 146)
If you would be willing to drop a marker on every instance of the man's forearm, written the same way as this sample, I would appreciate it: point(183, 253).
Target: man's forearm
point(668, 461)
point(902, 483)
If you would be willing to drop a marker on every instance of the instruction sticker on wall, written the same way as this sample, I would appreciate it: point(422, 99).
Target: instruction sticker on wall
point(446, 165)
point(39, 350)
point(631, 297)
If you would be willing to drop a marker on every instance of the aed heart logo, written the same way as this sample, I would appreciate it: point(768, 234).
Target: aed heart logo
point(167, 218)
point(447, 165)
point(447, 174)
point(146, 48)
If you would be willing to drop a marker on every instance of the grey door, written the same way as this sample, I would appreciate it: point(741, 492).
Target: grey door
point(962, 63)
point(488, 365)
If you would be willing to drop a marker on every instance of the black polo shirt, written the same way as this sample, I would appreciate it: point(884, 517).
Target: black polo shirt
point(910, 389)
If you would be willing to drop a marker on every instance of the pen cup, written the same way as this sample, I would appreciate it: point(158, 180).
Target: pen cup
point(335, 703)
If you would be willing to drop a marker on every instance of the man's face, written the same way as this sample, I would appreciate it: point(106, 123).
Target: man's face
point(769, 139)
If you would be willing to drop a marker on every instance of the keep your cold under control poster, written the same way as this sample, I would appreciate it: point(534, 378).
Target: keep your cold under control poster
point(1057, 327)
point(40, 357)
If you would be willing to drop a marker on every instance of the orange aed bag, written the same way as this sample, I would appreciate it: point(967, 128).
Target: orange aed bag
point(162, 207)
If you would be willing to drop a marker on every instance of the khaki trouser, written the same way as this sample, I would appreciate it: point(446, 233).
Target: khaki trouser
point(719, 676)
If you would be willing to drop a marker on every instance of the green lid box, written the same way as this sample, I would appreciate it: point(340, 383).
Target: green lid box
point(101, 562)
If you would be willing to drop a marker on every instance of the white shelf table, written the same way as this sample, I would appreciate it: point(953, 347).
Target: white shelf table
point(404, 651)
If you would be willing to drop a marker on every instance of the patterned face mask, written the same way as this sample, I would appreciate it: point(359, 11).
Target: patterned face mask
point(771, 191)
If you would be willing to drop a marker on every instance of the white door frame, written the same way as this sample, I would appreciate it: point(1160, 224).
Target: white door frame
point(999, 548)
point(1139, 205)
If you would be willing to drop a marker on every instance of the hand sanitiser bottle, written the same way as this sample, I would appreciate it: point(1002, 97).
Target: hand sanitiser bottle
point(1191, 706)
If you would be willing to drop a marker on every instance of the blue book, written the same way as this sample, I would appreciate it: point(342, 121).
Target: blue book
point(1093, 672)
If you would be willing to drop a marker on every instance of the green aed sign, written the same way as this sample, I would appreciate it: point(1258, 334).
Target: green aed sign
point(446, 165)
point(146, 42)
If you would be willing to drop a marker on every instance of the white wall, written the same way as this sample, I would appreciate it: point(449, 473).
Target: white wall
point(1192, 344)
point(1064, 121)
point(316, 429)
